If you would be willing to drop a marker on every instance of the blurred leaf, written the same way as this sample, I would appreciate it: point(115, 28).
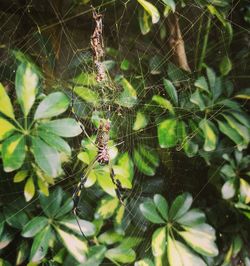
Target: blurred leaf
point(65, 208)
point(106, 208)
point(181, 255)
point(5, 238)
point(76, 247)
point(243, 94)
point(209, 135)
point(144, 21)
point(14, 217)
point(167, 133)
point(244, 191)
point(170, 3)
point(159, 241)
point(228, 189)
point(66, 127)
point(88, 95)
point(155, 64)
point(13, 152)
point(110, 237)
point(6, 128)
point(46, 157)
point(144, 262)
point(95, 255)
point(151, 9)
point(149, 211)
point(180, 206)
point(164, 103)
point(198, 99)
point(128, 98)
point(52, 105)
point(20, 176)
point(141, 121)
point(192, 217)
point(5, 104)
point(120, 254)
point(216, 13)
point(201, 238)
point(225, 66)
point(161, 205)
point(34, 226)
point(125, 65)
point(23, 252)
point(26, 86)
point(171, 91)
point(201, 83)
point(241, 117)
point(29, 189)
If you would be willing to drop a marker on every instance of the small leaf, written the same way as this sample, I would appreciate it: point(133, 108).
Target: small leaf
point(164, 103)
point(34, 226)
point(159, 241)
point(5, 238)
point(243, 94)
point(6, 128)
point(144, 21)
point(161, 205)
point(110, 237)
point(225, 66)
point(5, 104)
point(66, 127)
point(46, 157)
point(29, 189)
point(96, 255)
point(244, 191)
point(170, 3)
point(151, 9)
point(40, 244)
point(211, 77)
point(209, 135)
point(167, 135)
point(201, 83)
point(52, 105)
point(149, 211)
point(141, 121)
point(76, 247)
point(20, 176)
point(180, 206)
point(13, 152)
point(155, 64)
point(171, 91)
point(216, 13)
point(26, 86)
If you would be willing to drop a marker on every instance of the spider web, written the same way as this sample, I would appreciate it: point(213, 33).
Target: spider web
point(74, 49)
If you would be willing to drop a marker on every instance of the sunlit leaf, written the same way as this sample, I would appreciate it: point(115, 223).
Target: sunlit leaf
point(121, 254)
point(106, 208)
point(167, 135)
point(210, 135)
point(243, 94)
point(29, 189)
point(23, 252)
point(20, 176)
point(144, 262)
point(228, 189)
point(52, 105)
point(5, 104)
point(159, 241)
point(170, 3)
point(6, 128)
point(95, 255)
point(216, 13)
point(201, 83)
point(151, 9)
point(164, 103)
point(141, 121)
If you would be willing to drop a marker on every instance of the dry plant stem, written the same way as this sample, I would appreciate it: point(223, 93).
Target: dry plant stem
point(176, 42)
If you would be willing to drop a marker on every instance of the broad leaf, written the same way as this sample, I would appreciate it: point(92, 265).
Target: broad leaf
point(164, 103)
point(198, 99)
point(121, 254)
point(210, 135)
point(151, 9)
point(23, 252)
point(20, 176)
point(167, 134)
point(13, 152)
point(192, 217)
point(29, 189)
point(6, 128)
point(201, 83)
point(106, 208)
point(14, 217)
point(228, 189)
point(161, 205)
point(144, 262)
point(180, 206)
point(149, 211)
point(5, 104)
point(34, 226)
point(52, 105)
point(141, 121)
point(159, 241)
point(171, 91)
point(95, 255)
point(244, 191)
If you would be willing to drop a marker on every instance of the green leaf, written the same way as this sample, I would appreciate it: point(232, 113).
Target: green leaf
point(26, 86)
point(171, 91)
point(216, 13)
point(88, 95)
point(55, 141)
point(5, 238)
point(243, 94)
point(159, 241)
point(244, 191)
point(20, 176)
point(201, 83)
point(180, 206)
point(241, 117)
point(76, 247)
point(34, 226)
point(40, 244)
point(5, 104)
point(6, 128)
point(65, 208)
point(87, 227)
point(96, 255)
point(151, 9)
point(201, 238)
point(13, 152)
point(161, 205)
point(228, 189)
point(14, 217)
point(125, 64)
point(46, 157)
point(144, 21)
point(23, 252)
point(209, 135)
point(198, 99)
point(29, 189)
point(106, 208)
point(155, 63)
point(164, 103)
point(225, 66)
point(149, 211)
point(141, 121)
point(211, 77)
point(170, 3)
point(181, 255)
point(110, 237)
point(52, 105)
point(120, 254)
point(128, 98)
point(144, 262)
point(66, 127)
point(192, 217)
point(146, 159)
point(167, 135)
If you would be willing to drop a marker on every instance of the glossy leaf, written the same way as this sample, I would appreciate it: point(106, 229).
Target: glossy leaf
point(171, 91)
point(161, 205)
point(95, 255)
point(198, 99)
point(5, 104)
point(29, 189)
point(46, 157)
point(5, 238)
point(110, 237)
point(52, 105)
point(13, 152)
point(192, 217)
point(244, 191)
point(26, 84)
point(180, 206)
point(151, 9)
point(34, 226)
point(66, 207)
point(209, 135)
point(167, 136)
point(149, 211)
point(66, 127)
point(159, 241)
